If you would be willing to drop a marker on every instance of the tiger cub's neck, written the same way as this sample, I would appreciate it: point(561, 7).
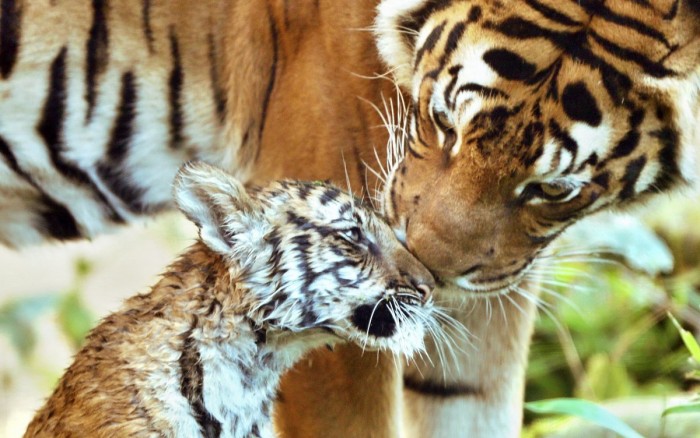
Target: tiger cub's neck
point(185, 359)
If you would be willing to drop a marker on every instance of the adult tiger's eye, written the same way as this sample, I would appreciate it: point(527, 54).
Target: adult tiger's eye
point(549, 192)
point(555, 191)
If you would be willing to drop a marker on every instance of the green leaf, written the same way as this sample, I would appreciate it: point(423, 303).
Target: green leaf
point(22, 336)
point(688, 339)
point(583, 409)
point(17, 321)
point(607, 378)
point(74, 318)
point(682, 409)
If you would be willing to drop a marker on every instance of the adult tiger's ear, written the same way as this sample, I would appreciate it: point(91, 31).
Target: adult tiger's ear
point(219, 205)
point(396, 30)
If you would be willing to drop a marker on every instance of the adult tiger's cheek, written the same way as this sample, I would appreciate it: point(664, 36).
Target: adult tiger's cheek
point(413, 183)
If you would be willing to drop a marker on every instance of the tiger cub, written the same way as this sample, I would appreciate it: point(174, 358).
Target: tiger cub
point(277, 271)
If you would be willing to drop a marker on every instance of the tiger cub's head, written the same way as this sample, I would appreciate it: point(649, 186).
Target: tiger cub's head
point(528, 115)
point(310, 256)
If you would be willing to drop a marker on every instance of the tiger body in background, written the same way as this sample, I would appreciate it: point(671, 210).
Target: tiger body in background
point(525, 116)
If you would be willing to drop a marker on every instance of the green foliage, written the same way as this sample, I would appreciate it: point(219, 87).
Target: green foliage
point(583, 409)
point(688, 339)
point(692, 345)
point(74, 319)
point(683, 409)
point(19, 317)
point(610, 338)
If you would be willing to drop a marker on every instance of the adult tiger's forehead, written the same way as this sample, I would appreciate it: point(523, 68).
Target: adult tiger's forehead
point(589, 32)
point(559, 96)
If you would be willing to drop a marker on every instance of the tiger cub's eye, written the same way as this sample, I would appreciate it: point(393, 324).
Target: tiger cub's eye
point(353, 234)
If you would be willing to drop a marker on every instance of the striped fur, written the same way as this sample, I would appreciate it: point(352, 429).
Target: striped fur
point(94, 120)
point(526, 116)
point(277, 272)
point(545, 112)
point(101, 101)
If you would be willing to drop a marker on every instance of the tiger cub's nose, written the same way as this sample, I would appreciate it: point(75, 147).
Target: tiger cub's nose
point(424, 286)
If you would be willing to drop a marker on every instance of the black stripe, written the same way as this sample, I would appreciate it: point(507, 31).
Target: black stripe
point(580, 105)
point(474, 14)
point(454, 72)
point(671, 14)
point(50, 128)
point(565, 140)
point(509, 64)
point(626, 145)
point(146, 23)
point(192, 386)
point(418, 128)
point(602, 179)
point(272, 78)
point(552, 14)
point(600, 11)
point(442, 390)
point(629, 142)
point(97, 52)
point(532, 135)
point(56, 220)
point(430, 42)
point(111, 168)
point(669, 174)
point(616, 83)
point(650, 67)
point(175, 93)
point(452, 42)
point(487, 92)
point(217, 92)
point(10, 25)
point(629, 179)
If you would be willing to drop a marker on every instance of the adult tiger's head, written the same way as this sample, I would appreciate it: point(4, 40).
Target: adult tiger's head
point(528, 115)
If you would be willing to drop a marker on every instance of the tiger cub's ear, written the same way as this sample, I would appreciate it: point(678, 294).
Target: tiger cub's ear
point(396, 30)
point(219, 205)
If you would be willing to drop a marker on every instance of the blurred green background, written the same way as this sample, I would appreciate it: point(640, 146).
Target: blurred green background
point(603, 334)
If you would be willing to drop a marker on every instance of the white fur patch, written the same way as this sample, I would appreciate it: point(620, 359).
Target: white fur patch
point(590, 140)
point(685, 94)
point(391, 41)
point(545, 163)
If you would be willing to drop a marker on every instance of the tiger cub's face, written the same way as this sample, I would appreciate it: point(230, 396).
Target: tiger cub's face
point(529, 115)
point(310, 256)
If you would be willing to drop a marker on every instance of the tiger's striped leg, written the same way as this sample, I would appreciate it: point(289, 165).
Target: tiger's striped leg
point(478, 392)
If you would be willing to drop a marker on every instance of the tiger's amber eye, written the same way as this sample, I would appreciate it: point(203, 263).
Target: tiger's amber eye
point(555, 191)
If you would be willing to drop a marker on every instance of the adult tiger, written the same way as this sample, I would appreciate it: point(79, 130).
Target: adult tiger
point(510, 132)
